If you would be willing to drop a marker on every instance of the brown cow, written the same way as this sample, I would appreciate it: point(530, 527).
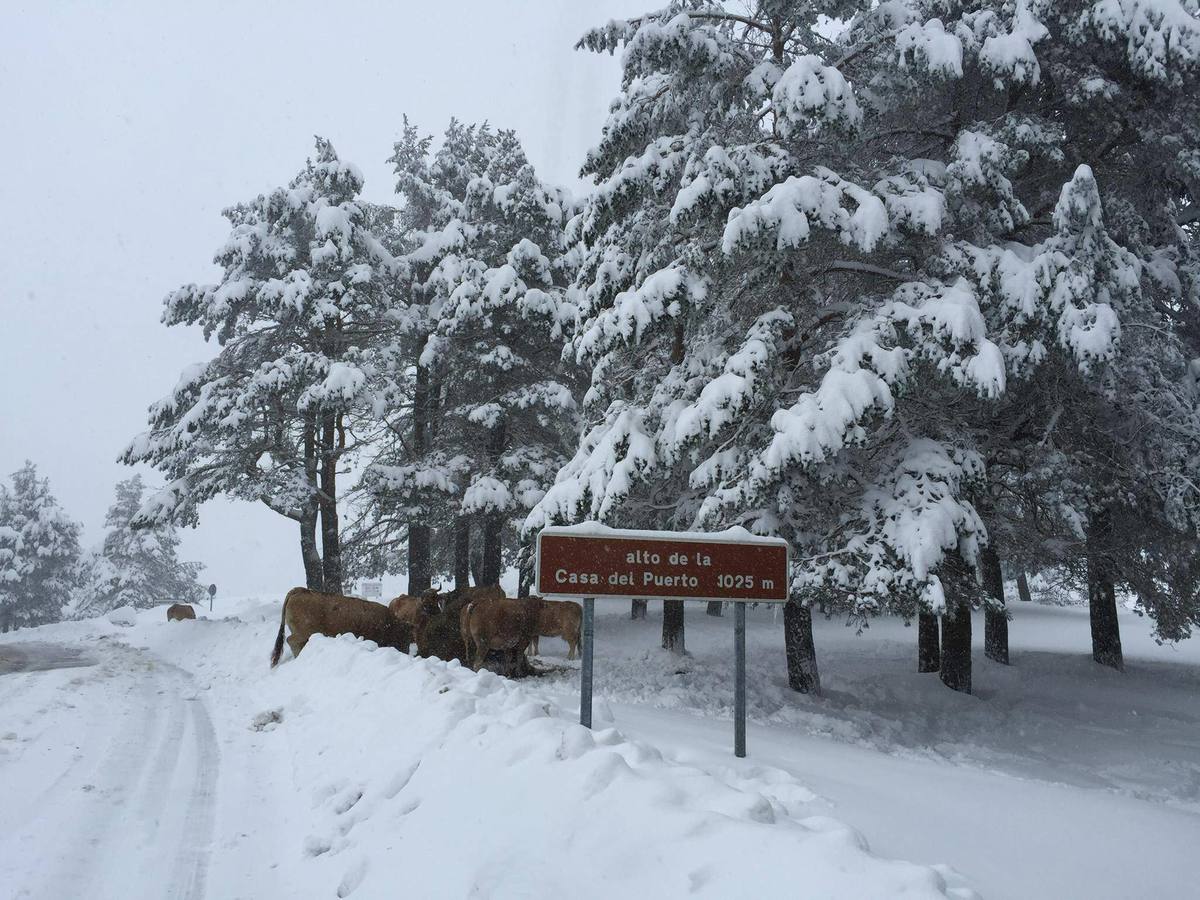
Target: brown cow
point(308, 612)
point(414, 610)
point(405, 607)
point(559, 618)
point(177, 612)
point(504, 625)
point(438, 622)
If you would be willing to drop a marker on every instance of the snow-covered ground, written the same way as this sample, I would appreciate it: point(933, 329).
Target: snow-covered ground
point(167, 760)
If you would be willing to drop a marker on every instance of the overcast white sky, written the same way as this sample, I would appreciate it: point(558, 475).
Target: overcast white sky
point(127, 127)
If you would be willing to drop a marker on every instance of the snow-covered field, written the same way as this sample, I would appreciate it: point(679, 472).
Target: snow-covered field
point(167, 760)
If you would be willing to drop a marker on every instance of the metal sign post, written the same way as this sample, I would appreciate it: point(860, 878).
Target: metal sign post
point(739, 680)
point(585, 664)
point(585, 562)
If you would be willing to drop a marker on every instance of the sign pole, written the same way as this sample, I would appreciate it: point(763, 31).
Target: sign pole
point(585, 668)
point(739, 680)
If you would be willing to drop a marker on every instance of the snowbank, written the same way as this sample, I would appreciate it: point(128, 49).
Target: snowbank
point(403, 772)
point(458, 784)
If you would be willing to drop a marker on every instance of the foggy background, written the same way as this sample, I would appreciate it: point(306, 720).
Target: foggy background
point(128, 127)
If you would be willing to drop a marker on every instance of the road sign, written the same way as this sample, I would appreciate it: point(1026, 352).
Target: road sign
point(372, 588)
point(593, 561)
point(619, 564)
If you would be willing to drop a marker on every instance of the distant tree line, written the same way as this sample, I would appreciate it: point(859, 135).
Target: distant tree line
point(916, 287)
point(45, 576)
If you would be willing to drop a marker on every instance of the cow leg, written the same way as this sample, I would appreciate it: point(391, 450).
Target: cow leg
point(480, 655)
point(533, 646)
point(572, 647)
point(296, 643)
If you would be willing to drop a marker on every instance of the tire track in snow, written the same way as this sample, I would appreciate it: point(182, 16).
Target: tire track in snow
point(195, 844)
point(145, 827)
point(76, 859)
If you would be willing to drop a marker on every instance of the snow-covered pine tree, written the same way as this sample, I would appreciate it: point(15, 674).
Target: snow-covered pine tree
point(136, 567)
point(489, 407)
point(908, 218)
point(304, 284)
point(39, 551)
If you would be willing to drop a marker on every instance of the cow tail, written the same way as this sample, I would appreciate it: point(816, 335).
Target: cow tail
point(278, 651)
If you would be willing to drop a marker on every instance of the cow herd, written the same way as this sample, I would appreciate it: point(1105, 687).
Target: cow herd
point(476, 626)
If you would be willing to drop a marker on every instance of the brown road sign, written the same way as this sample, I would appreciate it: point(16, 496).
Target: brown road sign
point(574, 562)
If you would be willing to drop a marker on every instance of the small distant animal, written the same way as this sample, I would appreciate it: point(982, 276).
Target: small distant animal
point(559, 618)
point(177, 612)
point(306, 613)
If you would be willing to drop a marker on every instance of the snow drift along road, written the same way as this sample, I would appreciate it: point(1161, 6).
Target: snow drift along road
point(353, 771)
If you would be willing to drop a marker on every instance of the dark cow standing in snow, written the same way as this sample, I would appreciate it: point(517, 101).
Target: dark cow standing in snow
point(438, 627)
point(505, 625)
point(177, 612)
point(307, 613)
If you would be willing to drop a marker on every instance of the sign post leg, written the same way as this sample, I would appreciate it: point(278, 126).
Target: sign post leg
point(585, 668)
point(739, 680)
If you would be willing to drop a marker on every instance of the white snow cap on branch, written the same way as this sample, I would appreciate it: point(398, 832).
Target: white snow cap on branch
point(722, 398)
point(486, 494)
point(944, 324)
point(790, 208)
point(1011, 54)
point(810, 95)
point(904, 527)
point(928, 46)
point(1160, 36)
point(611, 457)
point(637, 308)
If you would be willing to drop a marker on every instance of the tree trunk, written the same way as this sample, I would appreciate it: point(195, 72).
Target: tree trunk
point(331, 548)
point(493, 522)
point(672, 632)
point(1102, 594)
point(462, 553)
point(672, 628)
point(637, 609)
point(714, 608)
point(956, 626)
point(314, 572)
point(476, 558)
point(314, 569)
point(995, 622)
point(1023, 587)
point(929, 651)
point(525, 576)
point(420, 574)
point(803, 675)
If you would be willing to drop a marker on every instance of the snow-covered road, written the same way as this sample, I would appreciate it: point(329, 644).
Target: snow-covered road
point(110, 775)
point(364, 772)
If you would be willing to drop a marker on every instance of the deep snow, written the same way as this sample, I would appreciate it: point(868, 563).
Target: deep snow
point(355, 771)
